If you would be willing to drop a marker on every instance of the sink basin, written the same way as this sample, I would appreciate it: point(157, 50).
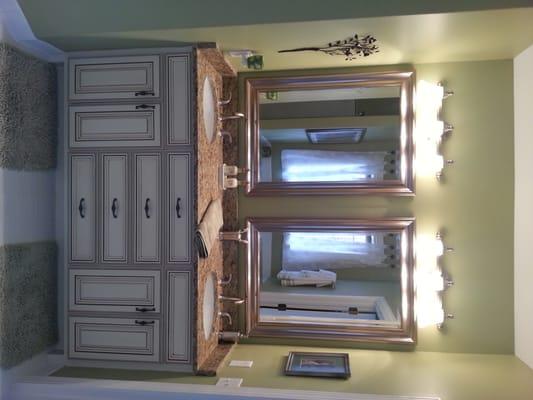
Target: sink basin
point(209, 104)
point(209, 305)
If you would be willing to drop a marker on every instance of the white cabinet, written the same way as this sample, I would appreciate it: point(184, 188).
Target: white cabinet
point(114, 339)
point(179, 230)
point(114, 125)
point(114, 77)
point(129, 118)
point(147, 208)
point(114, 290)
point(179, 92)
point(115, 208)
point(179, 318)
point(83, 208)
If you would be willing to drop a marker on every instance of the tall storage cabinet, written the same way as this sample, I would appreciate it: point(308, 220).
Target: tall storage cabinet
point(131, 156)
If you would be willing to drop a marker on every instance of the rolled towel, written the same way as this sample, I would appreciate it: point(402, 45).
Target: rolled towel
point(208, 230)
point(318, 278)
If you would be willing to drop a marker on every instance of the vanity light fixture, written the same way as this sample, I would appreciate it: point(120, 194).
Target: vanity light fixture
point(430, 129)
point(431, 281)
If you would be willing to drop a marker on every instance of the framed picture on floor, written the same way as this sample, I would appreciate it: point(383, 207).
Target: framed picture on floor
point(328, 365)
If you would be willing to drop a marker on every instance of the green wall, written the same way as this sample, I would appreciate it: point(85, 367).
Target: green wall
point(447, 376)
point(473, 206)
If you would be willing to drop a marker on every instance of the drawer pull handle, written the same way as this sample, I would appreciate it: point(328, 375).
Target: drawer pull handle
point(144, 106)
point(178, 207)
point(81, 207)
point(114, 208)
point(144, 309)
point(144, 322)
point(147, 208)
point(145, 93)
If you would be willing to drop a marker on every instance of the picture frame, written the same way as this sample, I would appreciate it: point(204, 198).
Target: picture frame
point(317, 364)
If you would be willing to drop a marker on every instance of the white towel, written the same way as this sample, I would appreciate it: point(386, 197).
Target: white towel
point(207, 231)
point(318, 278)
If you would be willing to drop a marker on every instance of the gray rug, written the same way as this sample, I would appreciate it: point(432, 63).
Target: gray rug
point(28, 111)
point(28, 300)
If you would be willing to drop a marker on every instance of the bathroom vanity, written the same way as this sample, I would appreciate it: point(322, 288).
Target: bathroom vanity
point(141, 172)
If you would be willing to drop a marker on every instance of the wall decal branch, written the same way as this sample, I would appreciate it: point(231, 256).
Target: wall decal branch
point(350, 48)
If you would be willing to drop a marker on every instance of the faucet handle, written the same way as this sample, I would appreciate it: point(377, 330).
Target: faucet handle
point(225, 102)
point(222, 314)
point(225, 280)
point(226, 134)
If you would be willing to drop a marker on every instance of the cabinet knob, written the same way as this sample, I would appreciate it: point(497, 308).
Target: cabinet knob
point(114, 208)
point(147, 208)
point(144, 106)
point(81, 207)
point(144, 309)
point(144, 322)
point(178, 207)
point(145, 93)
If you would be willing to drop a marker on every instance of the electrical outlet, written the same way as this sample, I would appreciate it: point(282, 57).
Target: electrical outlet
point(241, 363)
point(229, 382)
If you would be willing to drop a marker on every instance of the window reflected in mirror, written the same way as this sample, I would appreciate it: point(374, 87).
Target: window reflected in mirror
point(330, 135)
point(336, 279)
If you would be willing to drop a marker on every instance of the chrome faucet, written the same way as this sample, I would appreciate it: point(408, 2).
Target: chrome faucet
point(234, 300)
point(226, 315)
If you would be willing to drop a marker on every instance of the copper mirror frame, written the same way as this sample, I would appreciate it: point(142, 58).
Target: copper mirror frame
point(404, 334)
point(405, 79)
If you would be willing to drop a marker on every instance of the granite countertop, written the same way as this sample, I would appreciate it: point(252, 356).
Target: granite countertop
point(222, 259)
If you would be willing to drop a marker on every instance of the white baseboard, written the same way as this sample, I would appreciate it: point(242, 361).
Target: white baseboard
point(51, 388)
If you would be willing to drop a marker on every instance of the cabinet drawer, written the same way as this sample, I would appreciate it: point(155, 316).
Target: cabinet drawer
point(117, 339)
point(179, 219)
point(179, 319)
point(115, 207)
point(114, 290)
point(83, 208)
point(179, 92)
point(114, 77)
point(114, 125)
point(147, 208)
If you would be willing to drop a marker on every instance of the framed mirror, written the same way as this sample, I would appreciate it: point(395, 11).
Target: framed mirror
point(331, 279)
point(330, 134)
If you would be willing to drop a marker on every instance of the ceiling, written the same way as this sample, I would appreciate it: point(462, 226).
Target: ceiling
point(266, 27)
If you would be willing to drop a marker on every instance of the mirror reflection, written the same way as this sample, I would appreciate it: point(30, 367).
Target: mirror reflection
point(332, 277)
point(336, 134)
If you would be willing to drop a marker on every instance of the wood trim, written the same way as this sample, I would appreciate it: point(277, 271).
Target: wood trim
point(402, 187)
point(405, 334)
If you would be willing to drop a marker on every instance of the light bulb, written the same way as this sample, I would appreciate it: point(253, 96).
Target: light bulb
point(438, 247)
point(429, 308)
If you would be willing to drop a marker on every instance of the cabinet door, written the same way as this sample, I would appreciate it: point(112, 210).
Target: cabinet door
point(179, 320)
point(147, 208)
point(114, 125)
point(117, 339)
point(114, 290)
point(114, 77)
point(179, 93)
point(83, 208)
point(179, 231)
point(115, 207)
